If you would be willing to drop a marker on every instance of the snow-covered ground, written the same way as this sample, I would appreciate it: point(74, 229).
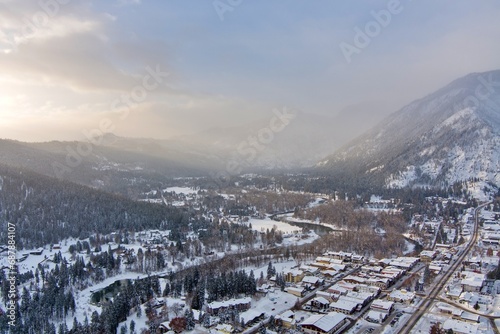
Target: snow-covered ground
point(181, 190)
point(409, 247)
point(267, 223)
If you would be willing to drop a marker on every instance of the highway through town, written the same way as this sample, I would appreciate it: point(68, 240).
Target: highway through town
point(428, 301)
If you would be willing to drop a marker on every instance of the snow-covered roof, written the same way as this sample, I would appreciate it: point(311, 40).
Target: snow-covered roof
point(382, 305)
point(329, 272)
point(435, 268)
point(344, 304)
point(224, 328)
point(295, 272)
point(377, 316)
point(321, 300)
point(460, 326)
point(310, 280)
point(473, 279)
point(337, 267)
point(287, 315)
point(402, 295)
point(325, 322)
point(230, 303)
point(428, 253)
point(294, 289)
point(355, 279)
point(250, 315)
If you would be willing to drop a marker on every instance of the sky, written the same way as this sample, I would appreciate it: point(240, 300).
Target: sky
point(161, 69)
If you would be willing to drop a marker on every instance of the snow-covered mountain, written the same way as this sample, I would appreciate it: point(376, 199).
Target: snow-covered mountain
point(450, 135)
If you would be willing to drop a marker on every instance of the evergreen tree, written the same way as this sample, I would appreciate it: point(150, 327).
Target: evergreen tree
point(270, 270)
point(189, 319)
point(166, 291)
point(132, 327)
point(63, 328)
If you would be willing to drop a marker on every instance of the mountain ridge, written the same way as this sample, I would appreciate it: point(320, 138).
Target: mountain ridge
point(431, 141)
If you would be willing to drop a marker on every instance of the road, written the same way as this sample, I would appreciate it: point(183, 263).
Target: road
point(428, 301)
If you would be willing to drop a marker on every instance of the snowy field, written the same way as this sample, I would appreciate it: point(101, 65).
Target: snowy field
point(262, 225)
point(181, 190)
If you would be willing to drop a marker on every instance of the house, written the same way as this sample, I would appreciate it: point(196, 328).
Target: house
point(435, 269)
point(382, 306)
point(39, 251)
point(473, 263)
point(491, 225)
point(362, 298)
point(471, 298)
point(379, 282)
point(224, 328)
point(376, 317)
point(299, 292)
point(460, 327)
point(320, 303)
point(405, 262)
point(286, 319)
point(371, 269)
point(344, 306)
point(470, 317)
point(264, 289)
point(337, 267)
point(251, 316)
point(323, 260)
point(347, 286)
point(329, 273)
point(164, 327)
point(309, 270)
point(358, 259)
point(454, 293)
point(427, 256)
point(328, 296)
point(241, 304)
point(320, 265)
point(374, 290)
point(337, 289)
point(330, 323)
point(312, 281)
point(294, 276)
point(354, 279)
point(401, 296)
point(340, 256)
point(472, 282)
point(445, 308)
point(392, 272)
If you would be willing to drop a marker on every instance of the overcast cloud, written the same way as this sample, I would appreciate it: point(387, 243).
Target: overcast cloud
point(63, 66)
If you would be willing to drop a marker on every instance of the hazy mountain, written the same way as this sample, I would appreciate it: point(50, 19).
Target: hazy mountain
point(298, 141)
point(447, 136)
point(114, 164)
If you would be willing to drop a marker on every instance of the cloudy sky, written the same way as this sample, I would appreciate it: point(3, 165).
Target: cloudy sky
point(164, 68)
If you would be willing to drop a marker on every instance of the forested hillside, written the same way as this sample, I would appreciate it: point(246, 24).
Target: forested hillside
point(46, 210)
